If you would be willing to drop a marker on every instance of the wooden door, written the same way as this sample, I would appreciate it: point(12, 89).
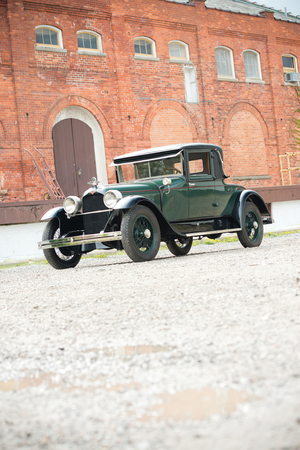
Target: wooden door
point(74, 156)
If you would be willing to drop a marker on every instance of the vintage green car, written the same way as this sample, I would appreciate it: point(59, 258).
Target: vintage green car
point(173, 194)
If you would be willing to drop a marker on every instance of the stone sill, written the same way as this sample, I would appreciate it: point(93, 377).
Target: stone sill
point(291, 83)
point(252, 177)
point(146, 58)
point(182, 2)
point(180, 61)
point(250, 80)
point(90, 53)
point(231, 80)
point(41, 48)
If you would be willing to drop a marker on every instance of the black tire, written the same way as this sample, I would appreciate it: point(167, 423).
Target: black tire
point(180, 246)
point(54, 256)
point(140, 234)
point(251, 234)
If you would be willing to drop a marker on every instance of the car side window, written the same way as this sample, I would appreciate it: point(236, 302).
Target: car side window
point(198, 164)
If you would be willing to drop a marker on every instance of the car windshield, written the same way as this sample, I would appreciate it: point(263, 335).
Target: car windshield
point(149, 169)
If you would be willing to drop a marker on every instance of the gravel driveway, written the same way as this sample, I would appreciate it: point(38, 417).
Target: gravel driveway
point(199, 352)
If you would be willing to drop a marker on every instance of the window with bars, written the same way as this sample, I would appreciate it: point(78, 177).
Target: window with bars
point(144, 46)
point(224, 61)
point(88, 41)
point(48, 36)
point(252, 65)
point(178, 50)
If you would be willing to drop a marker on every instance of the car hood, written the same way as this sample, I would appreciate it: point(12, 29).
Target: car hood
point(128, 188)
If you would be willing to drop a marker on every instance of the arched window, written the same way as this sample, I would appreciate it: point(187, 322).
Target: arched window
point(224, 58)
point(289, 68)
point(252, 65)
point(48, 36)
point(289, 64)
point(87, 40)
point(144, 47)
point(178, 50)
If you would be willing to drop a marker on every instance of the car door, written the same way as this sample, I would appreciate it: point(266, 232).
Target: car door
point(201, 196)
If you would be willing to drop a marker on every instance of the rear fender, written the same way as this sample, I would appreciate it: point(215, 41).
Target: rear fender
point(131, 201)
point(249, 196)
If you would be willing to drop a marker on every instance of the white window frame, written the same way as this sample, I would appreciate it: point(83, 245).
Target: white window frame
point(224, 77)
point(190, 83)
point(250, 79)
point(87, 51)
point(178, 59)
point(152, 57)
point(50, 47)
point(290, 83)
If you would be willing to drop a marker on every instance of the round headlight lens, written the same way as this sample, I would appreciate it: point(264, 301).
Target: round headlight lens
point(111, 198)
point(72, 205)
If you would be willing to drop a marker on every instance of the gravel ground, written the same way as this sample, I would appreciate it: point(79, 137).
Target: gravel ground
point(199, 352)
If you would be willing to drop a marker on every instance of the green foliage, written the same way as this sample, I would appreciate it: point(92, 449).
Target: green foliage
point(296, 131)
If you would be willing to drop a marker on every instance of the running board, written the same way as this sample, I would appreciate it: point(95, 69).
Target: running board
point(206, 233)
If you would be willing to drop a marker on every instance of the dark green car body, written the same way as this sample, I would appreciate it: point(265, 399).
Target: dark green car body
point(172, 194)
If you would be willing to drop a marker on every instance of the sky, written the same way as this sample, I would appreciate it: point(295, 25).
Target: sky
point(292, 6)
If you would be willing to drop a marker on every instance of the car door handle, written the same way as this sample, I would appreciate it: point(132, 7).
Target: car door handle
point(191, 184)
point(80, 172)
point(215, 204)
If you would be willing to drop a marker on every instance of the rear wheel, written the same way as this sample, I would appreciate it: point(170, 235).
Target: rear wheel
point(180, 246)
point(140, 234)
point(251, 234)
point(63, 258)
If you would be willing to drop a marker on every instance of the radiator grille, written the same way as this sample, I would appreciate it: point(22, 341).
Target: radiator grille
point(94, 223)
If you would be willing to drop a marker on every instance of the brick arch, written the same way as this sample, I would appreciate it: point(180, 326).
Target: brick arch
point(160, 107)
point(245, 145)
point(243, 106)
point(72, 100)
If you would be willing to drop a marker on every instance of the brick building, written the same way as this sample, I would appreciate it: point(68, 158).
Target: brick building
point(84, 81)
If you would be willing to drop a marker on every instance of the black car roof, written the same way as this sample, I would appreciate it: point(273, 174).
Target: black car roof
point(163, 152)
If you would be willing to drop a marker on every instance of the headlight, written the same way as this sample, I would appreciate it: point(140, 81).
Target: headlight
point(111, 198)
point(72, 205)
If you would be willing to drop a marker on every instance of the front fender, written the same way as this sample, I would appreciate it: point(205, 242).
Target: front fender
point(66, 225)
point(54, 212)
point(133, 200)
point(249, 196)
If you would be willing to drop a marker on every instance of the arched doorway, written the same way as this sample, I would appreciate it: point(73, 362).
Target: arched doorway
point(78, 150)
point(74, 157)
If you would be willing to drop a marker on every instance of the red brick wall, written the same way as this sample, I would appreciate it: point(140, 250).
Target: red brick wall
point(142, 103)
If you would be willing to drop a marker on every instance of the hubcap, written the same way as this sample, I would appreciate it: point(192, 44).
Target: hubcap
point(143, 233)
point(251, 225)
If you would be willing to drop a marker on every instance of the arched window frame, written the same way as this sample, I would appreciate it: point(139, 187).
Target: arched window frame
point(151, 57)
point(287, 70)
point(50, 47)
point(177, 58)
point(94, 51)
point(225, 77)
point(253, 79)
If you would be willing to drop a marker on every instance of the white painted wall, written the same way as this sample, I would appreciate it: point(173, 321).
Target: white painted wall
point(19, 242)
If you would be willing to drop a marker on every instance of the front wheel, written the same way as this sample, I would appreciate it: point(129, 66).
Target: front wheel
point(140, 234)
point(63, 258)
point(180, 246)
point(252, 226)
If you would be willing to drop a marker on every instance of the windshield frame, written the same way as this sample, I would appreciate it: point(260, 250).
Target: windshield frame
point(119, 171)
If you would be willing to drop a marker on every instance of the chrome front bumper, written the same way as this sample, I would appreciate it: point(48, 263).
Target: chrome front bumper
point(80, 240)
